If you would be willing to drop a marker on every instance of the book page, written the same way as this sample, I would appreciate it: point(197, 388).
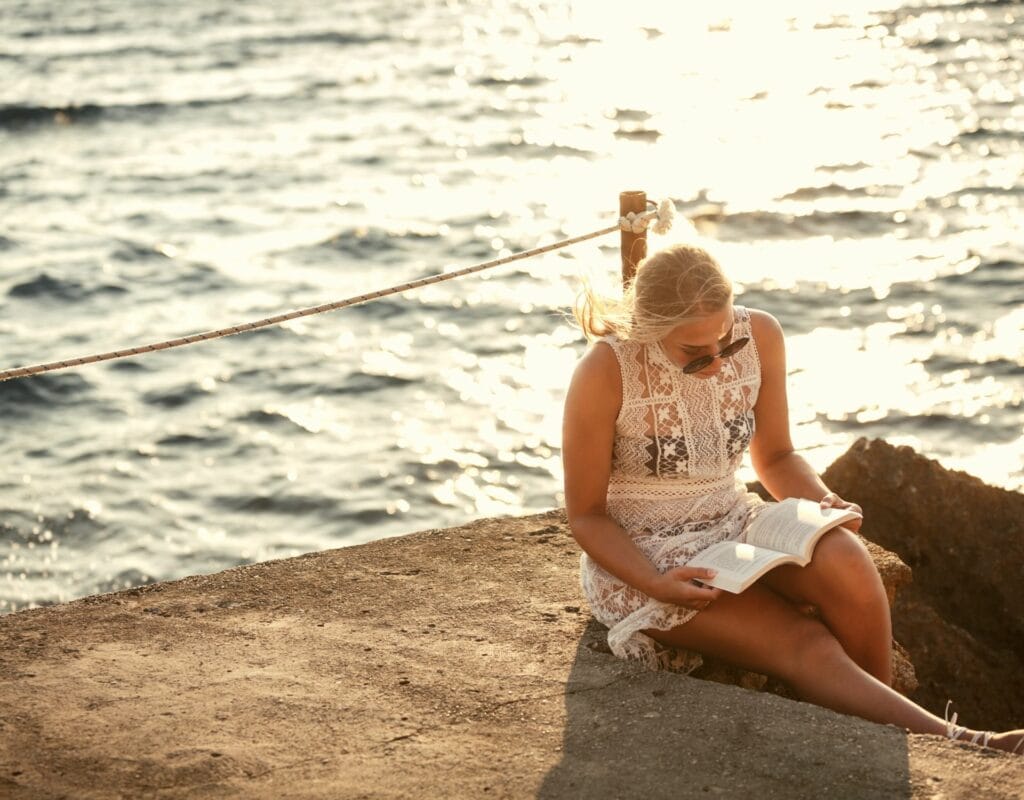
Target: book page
point(737, 563)
point(789, 526)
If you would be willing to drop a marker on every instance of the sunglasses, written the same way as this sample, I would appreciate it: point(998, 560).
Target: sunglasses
point(730, 349)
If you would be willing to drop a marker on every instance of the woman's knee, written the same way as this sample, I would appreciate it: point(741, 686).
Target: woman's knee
point(851, 570)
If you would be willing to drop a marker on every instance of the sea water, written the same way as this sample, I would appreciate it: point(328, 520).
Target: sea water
point(173, 167)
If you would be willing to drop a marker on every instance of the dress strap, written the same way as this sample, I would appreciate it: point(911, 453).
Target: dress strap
point(618, 347)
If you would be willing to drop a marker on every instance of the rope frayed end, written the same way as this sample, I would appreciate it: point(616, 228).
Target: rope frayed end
point(666, 216)
point(659, 221)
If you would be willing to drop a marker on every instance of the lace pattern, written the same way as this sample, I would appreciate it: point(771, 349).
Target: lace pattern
point(678, 443)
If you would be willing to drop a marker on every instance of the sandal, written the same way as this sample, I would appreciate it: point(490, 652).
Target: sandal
point(954, 731)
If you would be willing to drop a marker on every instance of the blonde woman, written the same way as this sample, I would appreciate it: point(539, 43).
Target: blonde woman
point(677, 384)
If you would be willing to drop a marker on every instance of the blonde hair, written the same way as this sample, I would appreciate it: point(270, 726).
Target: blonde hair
point(673, 286)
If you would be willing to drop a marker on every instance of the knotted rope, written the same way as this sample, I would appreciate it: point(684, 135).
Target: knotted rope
point(637, 223)
point(662, 218)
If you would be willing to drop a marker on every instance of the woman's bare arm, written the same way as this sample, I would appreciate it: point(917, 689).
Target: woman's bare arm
point(588, 435)
point(783, 471)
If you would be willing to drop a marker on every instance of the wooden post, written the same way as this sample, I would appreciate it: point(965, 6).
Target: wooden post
point(634, 245)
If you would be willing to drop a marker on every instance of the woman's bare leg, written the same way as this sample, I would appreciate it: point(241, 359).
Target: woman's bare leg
point(843, 584)
point(763, 632)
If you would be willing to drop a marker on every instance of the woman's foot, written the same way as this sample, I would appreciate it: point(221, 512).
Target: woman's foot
point(1011, 741)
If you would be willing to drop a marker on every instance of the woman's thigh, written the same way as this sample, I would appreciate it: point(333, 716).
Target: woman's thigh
point(756, 630)
point(841, 570)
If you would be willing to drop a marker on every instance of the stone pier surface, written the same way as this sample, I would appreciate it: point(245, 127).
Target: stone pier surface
point(447, 663)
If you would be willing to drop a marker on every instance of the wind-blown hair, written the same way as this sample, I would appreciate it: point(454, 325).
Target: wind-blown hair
point(673, 286)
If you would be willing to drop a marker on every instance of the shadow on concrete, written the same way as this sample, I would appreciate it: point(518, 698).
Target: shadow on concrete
point(634, 733)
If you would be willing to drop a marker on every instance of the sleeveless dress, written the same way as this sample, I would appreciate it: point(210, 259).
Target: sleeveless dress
point(679, 440)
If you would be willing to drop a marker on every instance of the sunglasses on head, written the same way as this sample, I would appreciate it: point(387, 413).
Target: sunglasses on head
point(730, 349)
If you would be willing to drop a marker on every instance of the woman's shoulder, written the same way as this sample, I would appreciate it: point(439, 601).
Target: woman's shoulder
point(769, 340)
point(601, 357)
point(597, 374)
point(614, 344)
point(762, 324)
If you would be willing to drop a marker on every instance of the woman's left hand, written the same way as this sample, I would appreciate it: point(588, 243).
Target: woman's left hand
point(832, 500)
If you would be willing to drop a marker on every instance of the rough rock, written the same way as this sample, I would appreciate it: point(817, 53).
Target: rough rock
point(447, 663)
point(962, 618)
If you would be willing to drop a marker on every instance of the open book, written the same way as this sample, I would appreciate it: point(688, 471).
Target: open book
point(784, 533)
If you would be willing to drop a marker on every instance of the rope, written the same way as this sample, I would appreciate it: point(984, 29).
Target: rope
point(663, 216)
point(21, 372)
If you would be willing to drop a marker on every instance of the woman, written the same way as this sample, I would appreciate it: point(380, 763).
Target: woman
point(678, 384)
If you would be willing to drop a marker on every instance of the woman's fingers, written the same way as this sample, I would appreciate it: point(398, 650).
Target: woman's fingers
point(833, 500)
point(691, 573)
point(677, 586)
point(706, 597)
point(689, 594)
point(705, 593)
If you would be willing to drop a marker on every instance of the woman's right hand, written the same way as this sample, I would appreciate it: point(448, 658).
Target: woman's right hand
point(676, 586)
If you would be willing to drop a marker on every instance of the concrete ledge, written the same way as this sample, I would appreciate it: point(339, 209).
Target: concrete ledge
point(449, 663)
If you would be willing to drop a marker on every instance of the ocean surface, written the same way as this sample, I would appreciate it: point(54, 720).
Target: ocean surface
point(173, 167)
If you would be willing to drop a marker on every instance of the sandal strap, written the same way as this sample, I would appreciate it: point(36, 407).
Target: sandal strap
point(954, 731)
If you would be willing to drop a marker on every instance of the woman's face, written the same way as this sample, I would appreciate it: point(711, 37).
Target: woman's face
point(704, 337)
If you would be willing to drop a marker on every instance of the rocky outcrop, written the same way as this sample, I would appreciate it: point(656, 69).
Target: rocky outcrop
point(962, 618)
point(446, 663)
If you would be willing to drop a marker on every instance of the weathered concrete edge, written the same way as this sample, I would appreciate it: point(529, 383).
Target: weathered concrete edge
point(513, 600)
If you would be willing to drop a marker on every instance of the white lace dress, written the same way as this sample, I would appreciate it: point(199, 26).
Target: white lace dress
point(679, 440)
